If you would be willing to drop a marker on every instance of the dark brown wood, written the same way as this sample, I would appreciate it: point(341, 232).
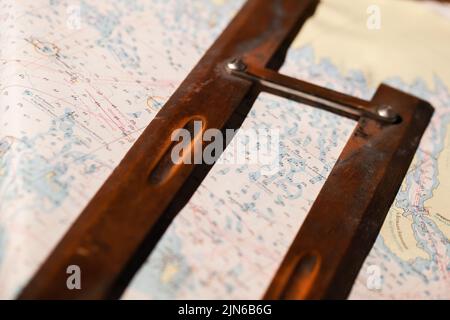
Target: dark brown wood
point(345, 219)
point(303, 86)
point(126, 217)
point(308, 93)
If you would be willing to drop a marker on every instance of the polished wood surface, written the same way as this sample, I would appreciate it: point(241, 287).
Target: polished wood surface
point(122, 223)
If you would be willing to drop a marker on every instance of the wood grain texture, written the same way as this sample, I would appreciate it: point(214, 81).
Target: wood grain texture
point(347, 215)
point(122, 223)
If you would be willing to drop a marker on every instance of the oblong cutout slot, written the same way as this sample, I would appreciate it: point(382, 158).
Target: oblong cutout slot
point(303, 276)
point(185, 148)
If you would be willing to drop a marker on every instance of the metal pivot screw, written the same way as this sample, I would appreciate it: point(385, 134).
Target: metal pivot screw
point(236, 65)
point(387, 112)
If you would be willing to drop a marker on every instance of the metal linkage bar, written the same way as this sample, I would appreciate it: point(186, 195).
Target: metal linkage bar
point(294, 89)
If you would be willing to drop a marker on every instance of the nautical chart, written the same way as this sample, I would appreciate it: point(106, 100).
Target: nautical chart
point(79, 80)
